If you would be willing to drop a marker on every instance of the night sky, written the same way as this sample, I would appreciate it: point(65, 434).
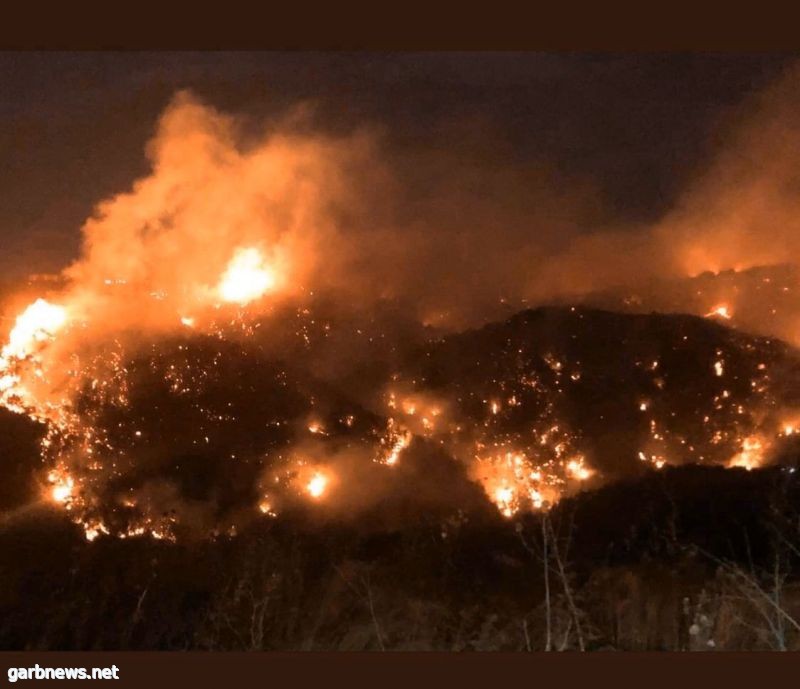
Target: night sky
point(74, 125)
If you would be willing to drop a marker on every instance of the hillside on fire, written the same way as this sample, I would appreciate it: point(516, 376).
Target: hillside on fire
point(400, 352)
point(421, 521)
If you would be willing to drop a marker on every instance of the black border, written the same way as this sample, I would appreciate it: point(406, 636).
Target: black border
point(569, 27)
point(565, 26)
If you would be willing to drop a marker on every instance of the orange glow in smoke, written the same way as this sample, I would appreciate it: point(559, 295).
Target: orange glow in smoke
point(751, 455)
point(61, 490)
point(257, 260)
point(504, 498)
point(38, 323)
point(246, 278)
point(33, 328)
point(720, 311)
point(514, 483)
point(577, 470)
point(402, 441)
point(265, 507)
point(317, 485)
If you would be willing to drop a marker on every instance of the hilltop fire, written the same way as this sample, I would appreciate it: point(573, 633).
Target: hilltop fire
point(524, 452)
point(217, 356)
point(33, 329)
point(722, 311)
point(246, 278)
point(316, 486)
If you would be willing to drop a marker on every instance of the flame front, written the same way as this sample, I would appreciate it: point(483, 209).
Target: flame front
point(317, 485)
point(35, 325)
point(207, 249)
point(246, 278)
point(721, 311)
point(33, 329)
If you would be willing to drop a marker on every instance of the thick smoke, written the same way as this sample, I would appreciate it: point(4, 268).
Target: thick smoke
point(209, 195)
point(739, 211)
point(356, 215)
point(368, 218)
point(347, 214)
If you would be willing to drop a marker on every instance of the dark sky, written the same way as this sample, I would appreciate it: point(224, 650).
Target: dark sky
point(73, 126)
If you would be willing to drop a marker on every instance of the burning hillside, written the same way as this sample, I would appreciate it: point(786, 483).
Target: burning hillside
point(493, 374)
point(760, 300)
point(561, 397)
point(203, 433)
point(246, 335)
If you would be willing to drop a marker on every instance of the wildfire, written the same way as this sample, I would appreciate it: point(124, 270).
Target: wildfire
point(33, 328)
point(751, 454)
point(246, 278)
point(504, 497)
point(62, 487)
point(317, 485)
point(92, 530)
point(401, 442)
point(720, 311)
point(515, 483)
point(656, 460)
point(577, 470)
point(38, 323)
point(525, 467)
point(265, 507)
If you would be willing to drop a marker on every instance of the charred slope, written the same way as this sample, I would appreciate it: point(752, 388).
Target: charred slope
point(675, 388)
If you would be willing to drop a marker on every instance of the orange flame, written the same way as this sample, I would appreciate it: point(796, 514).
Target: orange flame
point(246, 278)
